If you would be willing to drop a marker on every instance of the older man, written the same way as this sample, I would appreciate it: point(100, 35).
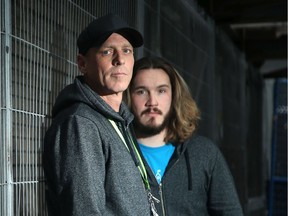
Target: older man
point(90, 161)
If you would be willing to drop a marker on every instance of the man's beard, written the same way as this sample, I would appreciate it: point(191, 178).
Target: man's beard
point(151, 130)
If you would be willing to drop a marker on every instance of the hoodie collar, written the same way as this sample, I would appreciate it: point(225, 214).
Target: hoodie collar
point(80, 92)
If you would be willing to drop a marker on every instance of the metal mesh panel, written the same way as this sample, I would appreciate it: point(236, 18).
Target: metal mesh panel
point(124, 8)
point(49, 25)
point(42, 55)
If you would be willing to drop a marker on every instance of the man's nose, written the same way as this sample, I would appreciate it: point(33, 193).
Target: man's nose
point(152, 100)
point(118, 59)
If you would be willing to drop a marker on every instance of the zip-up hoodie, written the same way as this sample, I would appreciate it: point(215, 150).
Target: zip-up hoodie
point(197, 181)
point(88, 169)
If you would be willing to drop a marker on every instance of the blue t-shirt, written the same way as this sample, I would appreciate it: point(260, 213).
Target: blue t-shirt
point(157, 158)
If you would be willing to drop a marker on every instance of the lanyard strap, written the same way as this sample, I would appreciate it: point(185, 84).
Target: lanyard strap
point(140, 167)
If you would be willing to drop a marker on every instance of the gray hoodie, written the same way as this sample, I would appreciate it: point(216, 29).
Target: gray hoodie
point(88, 169)
point(197, 181)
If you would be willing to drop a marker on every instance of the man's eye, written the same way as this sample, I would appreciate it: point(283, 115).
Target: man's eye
point(128, 51)
point(106, 52)
point(140, 92)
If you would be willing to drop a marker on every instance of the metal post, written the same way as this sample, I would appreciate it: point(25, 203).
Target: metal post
point(8, 115)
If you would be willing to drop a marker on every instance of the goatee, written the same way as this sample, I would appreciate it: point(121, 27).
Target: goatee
point(150, 130)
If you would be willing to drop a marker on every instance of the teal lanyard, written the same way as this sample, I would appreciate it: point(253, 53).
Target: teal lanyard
point(140, 167)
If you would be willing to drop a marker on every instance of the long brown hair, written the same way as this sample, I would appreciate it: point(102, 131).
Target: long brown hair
point(185, 113)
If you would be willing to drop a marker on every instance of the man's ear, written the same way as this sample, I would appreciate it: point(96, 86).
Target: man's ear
point(81, 62)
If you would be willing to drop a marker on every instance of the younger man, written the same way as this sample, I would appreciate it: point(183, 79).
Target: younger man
point(187, 173)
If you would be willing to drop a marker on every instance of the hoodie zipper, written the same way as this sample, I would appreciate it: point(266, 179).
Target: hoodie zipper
point(161, 198)
point(161, 191)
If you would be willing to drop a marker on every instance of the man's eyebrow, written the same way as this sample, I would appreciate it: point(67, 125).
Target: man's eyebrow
point(138, 87)
point(144, 87)
point(127, 45)
point(104, 47)
point(163, 85)
point(112, 46)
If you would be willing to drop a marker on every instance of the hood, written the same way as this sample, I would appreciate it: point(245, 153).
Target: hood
point(80, 92)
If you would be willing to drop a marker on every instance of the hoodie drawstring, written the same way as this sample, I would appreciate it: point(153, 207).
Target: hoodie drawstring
point(186, 155)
